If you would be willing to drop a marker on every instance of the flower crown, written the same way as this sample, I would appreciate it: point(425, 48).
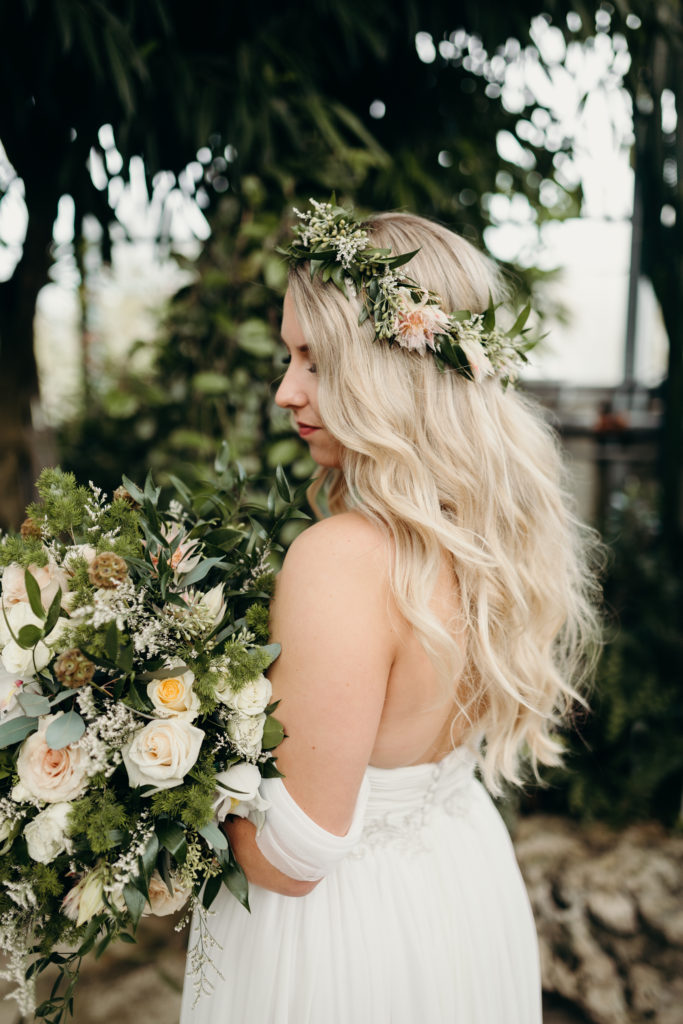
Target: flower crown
point(335, 243)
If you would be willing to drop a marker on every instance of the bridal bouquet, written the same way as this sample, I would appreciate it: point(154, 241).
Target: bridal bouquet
point(134, 713)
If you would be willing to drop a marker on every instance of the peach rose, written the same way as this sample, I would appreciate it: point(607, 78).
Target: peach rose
point(161, 903)
point(47, 774)
point(174, 697)
point(49, 578)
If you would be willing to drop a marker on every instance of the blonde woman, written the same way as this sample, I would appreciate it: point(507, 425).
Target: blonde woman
point(437, 619)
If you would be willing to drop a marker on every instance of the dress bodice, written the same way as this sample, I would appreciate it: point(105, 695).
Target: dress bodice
point(400, 801)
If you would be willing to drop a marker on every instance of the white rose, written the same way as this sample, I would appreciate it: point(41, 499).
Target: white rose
point(174, 697)
point(161, 902)
point(238, 792)
point(47, 774)
point(15, 658)
point(86, 899)
point(49, 578)
point(162, 753)
point(251, 699)
point(246, 732)
point(46, 834)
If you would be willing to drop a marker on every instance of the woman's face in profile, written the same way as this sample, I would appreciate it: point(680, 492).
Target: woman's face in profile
point(298, 391)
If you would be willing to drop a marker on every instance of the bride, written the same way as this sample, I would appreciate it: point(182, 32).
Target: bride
point(439, 618)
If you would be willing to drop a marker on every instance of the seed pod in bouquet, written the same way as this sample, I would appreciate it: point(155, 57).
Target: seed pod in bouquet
point(107, 571)
point(73, 669)
point(30, 528)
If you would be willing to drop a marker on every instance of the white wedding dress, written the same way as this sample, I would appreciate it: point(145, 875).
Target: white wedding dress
point(424, 918)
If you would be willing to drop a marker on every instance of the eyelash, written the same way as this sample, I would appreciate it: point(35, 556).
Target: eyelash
point(311, 369)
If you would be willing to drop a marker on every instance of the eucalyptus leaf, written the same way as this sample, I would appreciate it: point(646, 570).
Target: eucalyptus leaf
point(214, 836)
point(66, 729)
point(272, 650)
point(61, 697)
point(16, 730)
point(34, 704)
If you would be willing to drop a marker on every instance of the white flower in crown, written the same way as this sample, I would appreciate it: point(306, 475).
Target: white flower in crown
point(469, 334)
point(417, 323)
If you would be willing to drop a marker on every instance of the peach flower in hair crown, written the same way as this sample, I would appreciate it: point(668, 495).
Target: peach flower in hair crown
point(335, 244)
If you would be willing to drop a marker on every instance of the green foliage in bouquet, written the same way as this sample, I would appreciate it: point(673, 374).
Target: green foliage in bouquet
point(134, 712)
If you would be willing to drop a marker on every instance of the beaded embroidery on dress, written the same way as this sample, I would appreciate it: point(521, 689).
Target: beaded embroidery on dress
point(426, 919)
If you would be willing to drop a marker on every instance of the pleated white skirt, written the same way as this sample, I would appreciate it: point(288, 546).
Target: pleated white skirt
point(426, 921)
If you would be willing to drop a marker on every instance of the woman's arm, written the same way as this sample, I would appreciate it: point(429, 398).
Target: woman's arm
point(331, 614)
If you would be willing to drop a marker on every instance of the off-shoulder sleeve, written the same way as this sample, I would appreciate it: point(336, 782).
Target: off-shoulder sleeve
point(297, 845)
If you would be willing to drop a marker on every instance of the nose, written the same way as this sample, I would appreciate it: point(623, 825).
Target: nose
point(290, 395)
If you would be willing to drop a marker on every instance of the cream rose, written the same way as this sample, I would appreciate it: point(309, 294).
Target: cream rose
point(47, 774)
point(251, 699)
point(162, 753)
point(246, 732)
point(238, 792)
point(174, 697)
point(161, 903)
point(49, 578)
point(46, 835)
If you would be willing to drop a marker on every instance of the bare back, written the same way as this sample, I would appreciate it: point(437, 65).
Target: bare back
point(355, 685)
point(416, 719)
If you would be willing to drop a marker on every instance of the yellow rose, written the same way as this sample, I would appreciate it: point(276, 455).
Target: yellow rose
point(174, 697)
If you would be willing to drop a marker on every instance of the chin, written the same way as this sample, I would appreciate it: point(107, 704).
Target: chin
point(330, 459)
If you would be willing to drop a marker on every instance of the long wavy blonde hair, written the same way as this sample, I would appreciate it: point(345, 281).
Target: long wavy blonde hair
point(467, 471)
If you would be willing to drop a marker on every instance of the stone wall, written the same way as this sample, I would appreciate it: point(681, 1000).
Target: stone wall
point(609, 913)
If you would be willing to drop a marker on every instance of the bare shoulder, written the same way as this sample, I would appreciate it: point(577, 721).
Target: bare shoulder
point(347, 543)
